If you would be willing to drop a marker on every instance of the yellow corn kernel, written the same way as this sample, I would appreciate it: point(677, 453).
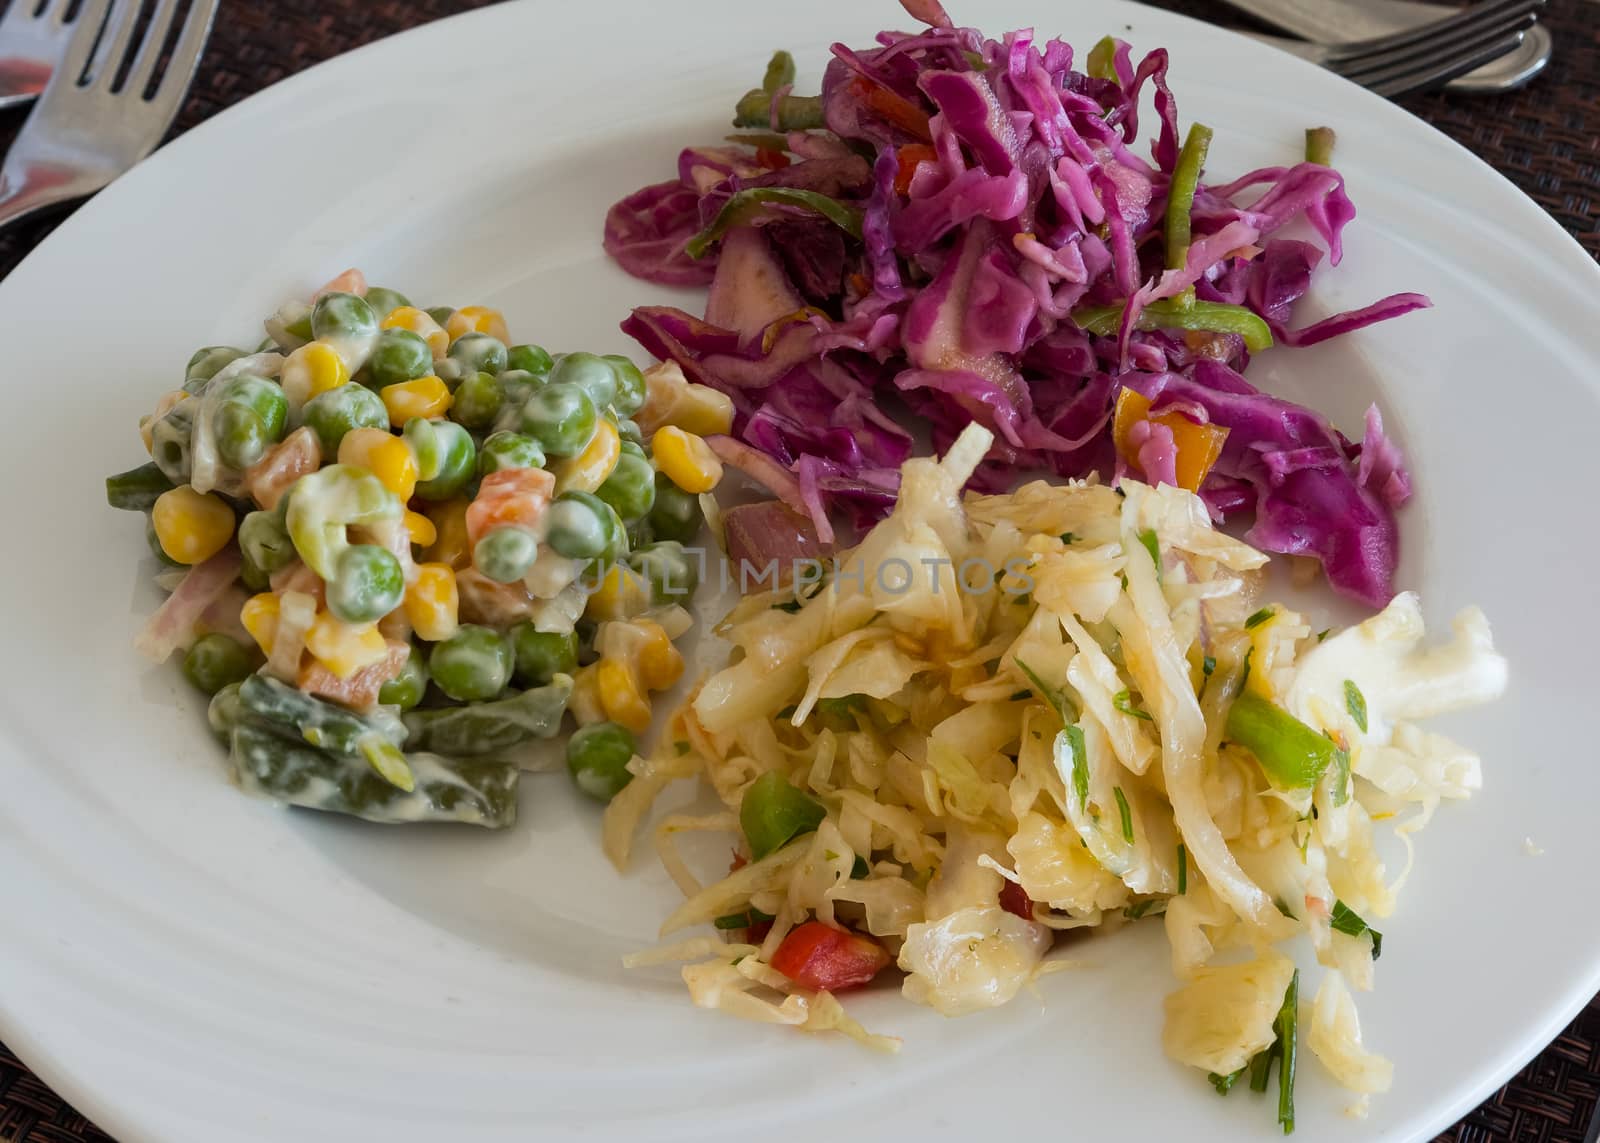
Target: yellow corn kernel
point(587, 471)
point(660, 663)
point(477, 319)
point(686, 459)
point(384, 455)
point(584, 702)
point(620, 695)
point(622, 594)
point(703, 410)
point(314, 368)
point(426, 397)
point(453, 547)
point(259, 616)
point(423, 533)
point(432, 603)
point(345, 648)
point(192, 526)
point(421, 323)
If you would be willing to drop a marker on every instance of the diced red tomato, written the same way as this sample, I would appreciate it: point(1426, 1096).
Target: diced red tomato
point(1014, 899)
point(910, 156)
point(819, 956)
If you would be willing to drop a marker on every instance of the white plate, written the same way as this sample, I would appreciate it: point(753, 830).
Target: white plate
point(187, 964)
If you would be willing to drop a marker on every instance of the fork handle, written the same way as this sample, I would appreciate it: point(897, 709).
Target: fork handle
point(40, 188)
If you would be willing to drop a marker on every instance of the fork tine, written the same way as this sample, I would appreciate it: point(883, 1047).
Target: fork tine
point(19, 12)
point(1410, 60)
point(85, 37)
point(1441, 71)
point(186, 52)
point(1489, 13)
point(155, 35)
point(113, 47)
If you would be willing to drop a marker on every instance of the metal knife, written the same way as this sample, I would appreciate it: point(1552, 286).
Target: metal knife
point(1335, 21)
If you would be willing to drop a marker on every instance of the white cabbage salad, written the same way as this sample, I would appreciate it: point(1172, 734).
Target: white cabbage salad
point(950, 776)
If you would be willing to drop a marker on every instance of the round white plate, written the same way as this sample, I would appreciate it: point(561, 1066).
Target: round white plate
point(187, 964)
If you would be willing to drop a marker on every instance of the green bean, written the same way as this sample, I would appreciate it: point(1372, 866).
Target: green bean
point(398, 355)
point(406, 689)
point(137, 489)
point(368, 583)
point(505, 554)
point(530, 359)
point(283, 710)
point(509, 450)
point(598, 757)
point(631, 487)
point(472, 665)
point(477, 401)
point(335, 412)
point(205, 363)
point(452, 457)
point(171, 441)
point(490, 727)
point(542, 655)
point(385, 301)
point(224, 712)
point(342, 316)
point(214, 661)
point(475, 791)
point(676, 514)
point(561, 417)
point(581, 526)
point(479, 353)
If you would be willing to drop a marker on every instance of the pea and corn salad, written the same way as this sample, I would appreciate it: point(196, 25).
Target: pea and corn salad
point(400, 546)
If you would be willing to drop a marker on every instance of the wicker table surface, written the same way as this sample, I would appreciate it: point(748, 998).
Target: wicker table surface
point(1546, 139)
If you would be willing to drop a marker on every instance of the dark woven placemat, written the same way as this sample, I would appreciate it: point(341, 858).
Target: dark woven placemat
point(1545, 138)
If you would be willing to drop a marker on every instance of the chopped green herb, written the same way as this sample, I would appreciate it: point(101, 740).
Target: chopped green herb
point(1018, 696)
point(1148, 907)
point(741, 920)
point(1153, 546)
point(788, 711)
point(1324, 633)
point(1288, 1033)
point(1080, 763)
point(1126, 812)
point(860, 869)
point(841, 707)
point(1067, 537)
point(1055, 698)
point(789, 605)
point(1341, 778)
point(1123, 701)
point(1261, 1068)
point(1284, 909)
point(681, 748)
point(1208, 666)
point(1025, 599)
point(1224, 1084)
point(1356, 703)
point(1183, 876)
point(1259, 618)
point(1346, 920)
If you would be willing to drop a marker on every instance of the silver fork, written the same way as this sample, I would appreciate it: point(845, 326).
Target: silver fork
point(1423, 58)
point(87, 129)
point(33, 36)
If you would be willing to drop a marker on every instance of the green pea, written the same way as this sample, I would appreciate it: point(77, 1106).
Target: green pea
point(367, 584)
point(542, 655)
point(598, 757)
point(479, 353)
point(562, 418)
point(406, 689)
point(334, 413)
point(631, 487)
point(398, 355)
point(593, 374)
point(250, 416)
point(264, 540)
point(676, 515)
point(214, 661)
point(631, 434)
point(530, 358)
point(385, 301)
point(456, 460)
point(252, 575)
point(631, 389)
point(154, 541)
point(441, 314)
point(581, 526)
point(205, 363)
point(505, 554)
point(477, 401)
point(667, 568)
point(341, 316)
point(509, 450)
point(170, 442)
point(473, 665)
point(773, 813)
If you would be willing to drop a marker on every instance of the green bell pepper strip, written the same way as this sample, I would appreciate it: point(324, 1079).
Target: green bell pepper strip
point(1180, 197)
point(1103, 59)
point(746, 204)
point(780, 72)
point(1319, 146)
point(1292, 754)
point(138, 489)
point(326, 503)
point(488, 727)
point(1211, 317)
point(795, 112)
point(773, 813)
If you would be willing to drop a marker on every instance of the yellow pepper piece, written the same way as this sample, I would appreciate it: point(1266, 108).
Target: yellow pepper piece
point(620, 696)
point(1198, 446)
point(423, 533)
point(192, 526)
point(386, 456)
point(433, 603)
point(314, 368)
point(587, 471)
point(345, 648)
point(621, 594)
point(477, 319)
point(421, 323)
point(259, 616)
point(686, 459)
point(426, 397)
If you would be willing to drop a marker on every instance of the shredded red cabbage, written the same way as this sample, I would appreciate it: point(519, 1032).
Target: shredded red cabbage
point(983, 193)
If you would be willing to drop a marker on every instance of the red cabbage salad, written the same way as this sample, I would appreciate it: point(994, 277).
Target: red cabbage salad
point(966, 226)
